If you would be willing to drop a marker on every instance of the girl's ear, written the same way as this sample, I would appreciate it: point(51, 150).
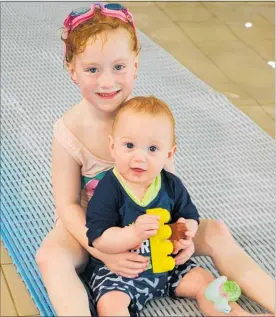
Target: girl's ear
point(72, 72)
point(111, 145)
point(136, 63)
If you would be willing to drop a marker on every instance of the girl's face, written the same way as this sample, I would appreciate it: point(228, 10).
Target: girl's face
point(105, 70)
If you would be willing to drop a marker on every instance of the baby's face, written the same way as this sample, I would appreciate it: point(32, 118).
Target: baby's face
point(141, 145)
point(105, 70)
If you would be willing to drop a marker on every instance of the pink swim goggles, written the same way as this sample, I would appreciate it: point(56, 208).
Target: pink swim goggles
point(80, 15)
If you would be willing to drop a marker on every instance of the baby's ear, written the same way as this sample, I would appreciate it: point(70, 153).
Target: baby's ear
point(172, 152)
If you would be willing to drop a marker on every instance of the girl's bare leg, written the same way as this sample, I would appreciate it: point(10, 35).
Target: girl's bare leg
point(58, 258)
point(194, 284)
point(114, 303)
point(233, 262)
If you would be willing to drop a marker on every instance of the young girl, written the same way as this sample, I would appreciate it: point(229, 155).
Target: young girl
point(101, 53)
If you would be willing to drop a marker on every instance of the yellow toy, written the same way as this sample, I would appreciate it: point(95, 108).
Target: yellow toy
point(160, 246)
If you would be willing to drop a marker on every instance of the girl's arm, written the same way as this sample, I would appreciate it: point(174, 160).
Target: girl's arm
point(66, 177)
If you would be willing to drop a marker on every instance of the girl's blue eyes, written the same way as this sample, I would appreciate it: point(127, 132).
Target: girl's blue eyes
point(152, 148)
point(94, 70)
point(119, 67)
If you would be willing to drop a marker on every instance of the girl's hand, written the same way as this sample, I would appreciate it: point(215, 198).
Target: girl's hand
point(126, 264)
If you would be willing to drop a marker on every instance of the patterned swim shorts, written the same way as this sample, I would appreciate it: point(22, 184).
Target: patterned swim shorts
point(141, 289)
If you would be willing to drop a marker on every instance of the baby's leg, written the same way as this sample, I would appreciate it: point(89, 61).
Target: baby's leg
point(58, 258)
point(194, 284)
point(114, 303)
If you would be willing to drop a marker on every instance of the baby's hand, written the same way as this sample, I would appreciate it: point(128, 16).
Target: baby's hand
point(181, 240)
point(146, 226)
point(181, 244)
point(185, 254)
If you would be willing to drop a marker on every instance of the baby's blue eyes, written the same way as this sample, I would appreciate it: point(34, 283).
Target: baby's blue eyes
point(130, 145)
point(153, 148)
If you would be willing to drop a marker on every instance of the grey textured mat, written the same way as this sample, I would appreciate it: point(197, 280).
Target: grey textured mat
point(225, 160)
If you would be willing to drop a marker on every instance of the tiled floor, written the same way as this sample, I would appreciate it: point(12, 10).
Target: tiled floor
point(210, 39)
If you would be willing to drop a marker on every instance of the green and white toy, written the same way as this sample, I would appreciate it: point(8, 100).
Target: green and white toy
point(221, 292)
